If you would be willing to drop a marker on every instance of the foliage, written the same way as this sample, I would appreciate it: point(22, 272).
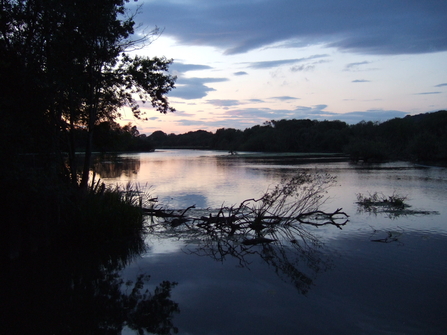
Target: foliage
point(108, 214)
point(379, 199)
point(71, 64)
point(393, 205)
point(420, 138)
point(41, 209)
point(109, 136)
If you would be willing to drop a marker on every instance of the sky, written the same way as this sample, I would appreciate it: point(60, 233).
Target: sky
point(242, 63)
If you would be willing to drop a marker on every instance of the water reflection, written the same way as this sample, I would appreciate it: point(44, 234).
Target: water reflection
point(76, 288)
point(292, 251)
point(375, 276)
point(114, 166)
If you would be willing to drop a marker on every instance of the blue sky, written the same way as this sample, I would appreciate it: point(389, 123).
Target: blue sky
point(241, 63)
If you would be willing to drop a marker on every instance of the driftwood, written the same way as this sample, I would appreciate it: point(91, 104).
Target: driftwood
point(275, 227)
point(321, 218)
point(294, 201)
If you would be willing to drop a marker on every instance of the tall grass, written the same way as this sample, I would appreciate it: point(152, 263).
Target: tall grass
point(43, 211)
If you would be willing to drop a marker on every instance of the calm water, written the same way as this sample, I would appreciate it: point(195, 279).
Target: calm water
point(380, 274)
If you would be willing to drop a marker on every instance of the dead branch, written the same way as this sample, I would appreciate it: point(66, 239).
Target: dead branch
point(327, 218)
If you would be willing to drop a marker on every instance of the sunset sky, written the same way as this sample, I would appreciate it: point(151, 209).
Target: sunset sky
point(241, 63)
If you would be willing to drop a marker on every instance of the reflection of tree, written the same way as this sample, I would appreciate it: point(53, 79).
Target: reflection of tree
point(272, 227)
point(77, 289)
point(112, 166)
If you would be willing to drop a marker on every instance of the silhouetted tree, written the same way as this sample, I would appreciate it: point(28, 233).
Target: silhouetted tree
point(72, 64)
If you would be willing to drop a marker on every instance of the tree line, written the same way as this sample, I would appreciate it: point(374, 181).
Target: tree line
point(421, 137)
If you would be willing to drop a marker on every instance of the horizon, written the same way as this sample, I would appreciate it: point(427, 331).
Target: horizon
point(214, 131)
point(238, 66)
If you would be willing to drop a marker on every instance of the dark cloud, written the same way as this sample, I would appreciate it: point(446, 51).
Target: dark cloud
point(275, 63)
point(242, 118)
point(255, 100)
point(427, 93)
point(214, 124)
point(193, 88)
point(369, 115)
point(302, 68)
point(441, 85)
point(360, 81)
point(240, 73)
point(355, 66)
point(223, 103)
point(182, 68)
point(362, 26)
point(285, 98)
point(313, 110)
point(308, 66)
point(317, 112)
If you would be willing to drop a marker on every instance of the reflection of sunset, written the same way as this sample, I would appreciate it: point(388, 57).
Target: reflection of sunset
point(195, 179)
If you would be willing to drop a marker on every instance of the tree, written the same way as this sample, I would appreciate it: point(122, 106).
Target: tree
point(75, 61)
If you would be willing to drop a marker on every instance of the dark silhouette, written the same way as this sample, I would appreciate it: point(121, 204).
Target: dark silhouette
point(419, 138)
point(76, 288)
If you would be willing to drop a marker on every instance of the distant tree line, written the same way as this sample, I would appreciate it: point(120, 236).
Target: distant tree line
point(110, 136)
point(420, 137)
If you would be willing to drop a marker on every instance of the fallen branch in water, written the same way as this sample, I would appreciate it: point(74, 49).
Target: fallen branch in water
point(295, 201)
point(327, 218)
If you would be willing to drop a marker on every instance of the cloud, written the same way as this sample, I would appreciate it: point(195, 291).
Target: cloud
point(354, 66)
point(240, 73)
point(376, 115)
point(182, 68)
point(427, 93)
point(242, 118)
point(362, 26)
point(284, 98)
point(215, 124)
point(441, 85)
point(193, 88)
point(360, 81)
point(223, 103)
point(259, 115)
point(302, 68)
point(307, 67)
point(316, 112)
point(275, 63)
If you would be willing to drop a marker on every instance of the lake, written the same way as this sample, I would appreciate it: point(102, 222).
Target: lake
point(380, 273)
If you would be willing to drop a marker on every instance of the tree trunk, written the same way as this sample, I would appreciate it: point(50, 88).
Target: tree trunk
point(72, 153)
point(88, 149)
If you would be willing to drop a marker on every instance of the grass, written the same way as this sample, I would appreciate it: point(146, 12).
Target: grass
point(43, 211)
point(393, 205)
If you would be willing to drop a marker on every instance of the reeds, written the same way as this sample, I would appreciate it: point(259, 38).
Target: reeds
point(44, 211)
